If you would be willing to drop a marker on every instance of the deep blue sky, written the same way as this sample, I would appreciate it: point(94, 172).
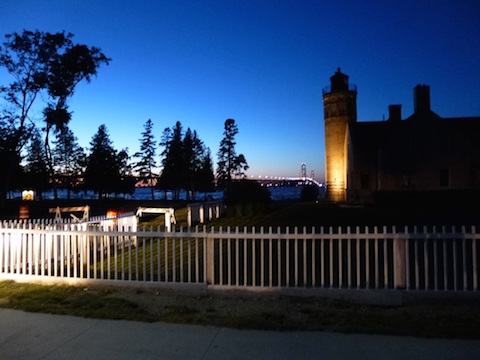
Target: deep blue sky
point(261, 62)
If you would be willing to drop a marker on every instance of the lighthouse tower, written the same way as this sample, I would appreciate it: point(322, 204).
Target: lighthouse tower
point(340, 110)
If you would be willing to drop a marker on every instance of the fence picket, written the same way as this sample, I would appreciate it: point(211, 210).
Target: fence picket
point(433, 259)
point(474, 259)
point(295, 255)
point(229, 262)
point(279, 259)
point(464, 257)
point(330, 253)
point(357, 247)
point(455, 279)
point(262, 259)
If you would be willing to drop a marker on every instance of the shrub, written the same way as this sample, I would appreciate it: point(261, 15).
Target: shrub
point(309, 193)
point(246, 197)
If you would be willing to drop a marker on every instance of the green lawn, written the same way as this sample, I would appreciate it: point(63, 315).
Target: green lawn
point(440, 320)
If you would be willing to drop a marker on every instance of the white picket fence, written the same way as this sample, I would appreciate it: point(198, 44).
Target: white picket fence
point(199, 213)
point(333, 258)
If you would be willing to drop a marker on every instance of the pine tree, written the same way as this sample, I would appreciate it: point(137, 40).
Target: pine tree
point(200, 175)
point(240, 166)
point(229, 164)
point(126, 181)
point(189, 165)
point(186, 163)
point(165, 142)
point(205, 176)
point(36, 170)
point(173, 161)
point(103, 171)
point(69, 159)
point(147, 162)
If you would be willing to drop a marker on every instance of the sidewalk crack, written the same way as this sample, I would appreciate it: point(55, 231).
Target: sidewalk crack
point(210, 345)
point(71, 339)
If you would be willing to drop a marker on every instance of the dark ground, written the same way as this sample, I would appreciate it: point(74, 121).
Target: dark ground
point(321, 214)
point(286, 213)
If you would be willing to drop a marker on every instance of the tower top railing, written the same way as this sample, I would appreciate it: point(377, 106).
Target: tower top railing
point(328, 89)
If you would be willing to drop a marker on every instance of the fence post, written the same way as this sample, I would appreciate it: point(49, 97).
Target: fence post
point(399, 262)
point(189, 215)
point(210, 259)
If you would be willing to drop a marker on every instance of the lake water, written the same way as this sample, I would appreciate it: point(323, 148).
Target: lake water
point(276, 193)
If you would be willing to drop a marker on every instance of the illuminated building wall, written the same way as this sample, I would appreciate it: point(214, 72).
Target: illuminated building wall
point(339, 101)
point(402, 158)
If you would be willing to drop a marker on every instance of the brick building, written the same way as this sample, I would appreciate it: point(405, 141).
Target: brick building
point(423, 153)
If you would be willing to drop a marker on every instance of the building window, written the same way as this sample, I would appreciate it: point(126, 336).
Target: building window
point(364, 181)
point(444, 178)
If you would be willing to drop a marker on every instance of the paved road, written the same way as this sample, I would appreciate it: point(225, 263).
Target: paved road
point(41, 336)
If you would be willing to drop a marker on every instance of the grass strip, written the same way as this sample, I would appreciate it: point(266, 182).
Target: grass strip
point(279, 313)
point(69, 300)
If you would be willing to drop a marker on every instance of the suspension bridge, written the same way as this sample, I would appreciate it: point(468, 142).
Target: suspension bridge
point(289, 180)
point(286, 181)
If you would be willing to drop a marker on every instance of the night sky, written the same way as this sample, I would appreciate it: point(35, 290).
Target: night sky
point(262, 63)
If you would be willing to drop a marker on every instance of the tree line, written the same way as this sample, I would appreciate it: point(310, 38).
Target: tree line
point(48, 157)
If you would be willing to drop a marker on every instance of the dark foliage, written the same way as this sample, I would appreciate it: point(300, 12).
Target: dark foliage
point(38, 62)
point(246, 198)
point(229, 164)
point(186, 163)
point(36, 170)
point(69, 160)
point(146, 156)
point(107, 171)
point(309, 193)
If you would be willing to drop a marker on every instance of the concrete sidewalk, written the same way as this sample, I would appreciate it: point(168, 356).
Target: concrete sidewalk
point(42, 336)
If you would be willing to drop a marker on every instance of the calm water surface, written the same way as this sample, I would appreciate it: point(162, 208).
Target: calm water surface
point(276, 193)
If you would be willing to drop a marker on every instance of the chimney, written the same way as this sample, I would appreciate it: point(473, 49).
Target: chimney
point(395, 113)
point(421, 99)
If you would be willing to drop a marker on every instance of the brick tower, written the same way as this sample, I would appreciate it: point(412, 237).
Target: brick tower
point(340, 110)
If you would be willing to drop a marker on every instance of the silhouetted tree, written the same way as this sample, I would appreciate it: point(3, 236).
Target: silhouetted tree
point(11, 173)
point(76, 63)
point(36, 171)
point(194, 153)
point(205, 176)
point(172, 161)
point(147, 162)
point(165, 142)
point(240, 166)
point(125, 183)
point(27, 57)
point(103, 171)
point(39, 61)
point(229, 164)
point(186, 163)
point(69, 159)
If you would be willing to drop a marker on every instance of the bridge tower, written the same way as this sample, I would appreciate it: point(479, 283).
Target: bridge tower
point(340, 110)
